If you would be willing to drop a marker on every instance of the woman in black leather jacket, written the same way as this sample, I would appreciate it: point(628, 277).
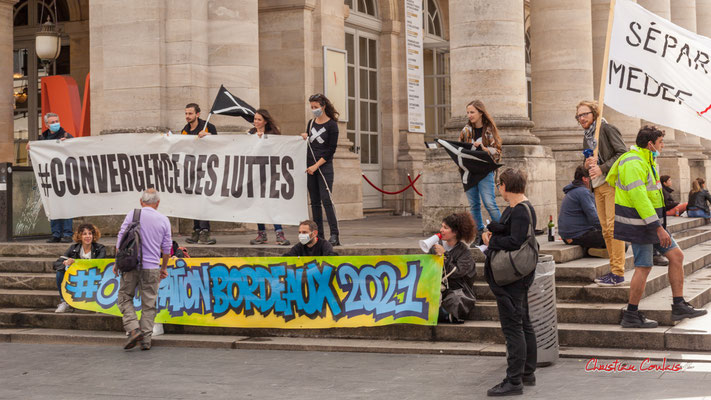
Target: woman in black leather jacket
point(699, 198)
point(85, 247)
point(458, 297)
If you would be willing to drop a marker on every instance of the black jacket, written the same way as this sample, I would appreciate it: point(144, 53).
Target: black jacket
point(49, 135)
point(669, 202)
point(510, 234)
point(698, 200)
point(321, 248)
point(199, 128)
point(463, 276)
point(74, 251)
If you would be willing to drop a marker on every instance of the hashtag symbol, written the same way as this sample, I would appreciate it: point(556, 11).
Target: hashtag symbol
point(85, 284)
point(44, 178)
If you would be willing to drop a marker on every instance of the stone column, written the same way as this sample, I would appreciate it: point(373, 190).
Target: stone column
point(627, 125)
point(683, 13)
point(233, 57)
point(127, 58)
point(561, 75)
point(292, 34)
point(7, 124)
point(487, 55)
point(672, 162)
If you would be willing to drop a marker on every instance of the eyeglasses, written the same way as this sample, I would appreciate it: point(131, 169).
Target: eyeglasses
point(583, 114)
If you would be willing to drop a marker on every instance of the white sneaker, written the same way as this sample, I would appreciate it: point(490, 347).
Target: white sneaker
point(62, 307)
point(158, 329)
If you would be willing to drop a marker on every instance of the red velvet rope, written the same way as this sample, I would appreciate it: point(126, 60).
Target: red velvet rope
point(411, 185)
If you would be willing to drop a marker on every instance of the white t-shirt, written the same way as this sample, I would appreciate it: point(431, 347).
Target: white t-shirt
point(85, 256)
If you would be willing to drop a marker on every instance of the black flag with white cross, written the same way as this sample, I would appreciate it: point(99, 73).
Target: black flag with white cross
point(473, 165)
point(228, 104)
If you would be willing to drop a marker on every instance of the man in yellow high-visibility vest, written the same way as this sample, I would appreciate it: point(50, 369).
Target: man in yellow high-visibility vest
point(639, 216)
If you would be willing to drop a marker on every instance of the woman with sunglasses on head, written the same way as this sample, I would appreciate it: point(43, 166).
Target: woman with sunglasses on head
point(610, 147)
point(482, 132)
point(265, 125)
point(322, 136)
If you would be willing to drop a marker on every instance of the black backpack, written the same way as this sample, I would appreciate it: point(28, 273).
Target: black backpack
point(128, 255)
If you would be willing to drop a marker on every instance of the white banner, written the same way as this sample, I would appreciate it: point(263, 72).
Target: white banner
point(235, 178)
point(659, 71)
point(414, 37)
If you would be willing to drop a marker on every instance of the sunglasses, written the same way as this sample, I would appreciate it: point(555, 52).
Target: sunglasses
point(316, 97)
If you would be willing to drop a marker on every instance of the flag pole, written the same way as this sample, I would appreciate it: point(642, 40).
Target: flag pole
point(603, 78)
point(207, 120)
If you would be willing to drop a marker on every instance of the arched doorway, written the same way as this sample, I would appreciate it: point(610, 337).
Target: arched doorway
point(438, 109)
point(28, 70)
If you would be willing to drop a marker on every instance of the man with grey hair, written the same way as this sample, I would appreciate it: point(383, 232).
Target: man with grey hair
point(61, 228)
point(156, 242)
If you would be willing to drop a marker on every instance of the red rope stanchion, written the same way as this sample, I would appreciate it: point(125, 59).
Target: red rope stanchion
point(411, 185)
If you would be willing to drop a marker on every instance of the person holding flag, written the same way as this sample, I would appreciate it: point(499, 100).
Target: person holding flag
point(482, 132)
point(197, 126)
point(639, 216)
point(322, 136)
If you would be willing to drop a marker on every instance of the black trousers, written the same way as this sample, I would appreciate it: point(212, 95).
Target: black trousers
point(200, 225)
point(590, 239)
point(521, 348)
point(318, 195)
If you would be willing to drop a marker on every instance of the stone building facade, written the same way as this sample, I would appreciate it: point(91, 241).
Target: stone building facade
point(529, 61)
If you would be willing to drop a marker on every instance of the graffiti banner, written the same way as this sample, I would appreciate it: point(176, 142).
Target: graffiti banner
point(234, 178)
point(275, 292)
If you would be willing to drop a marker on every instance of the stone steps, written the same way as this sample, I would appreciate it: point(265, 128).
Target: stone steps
point(695, 258)
point(563, 253)
point(688, 335)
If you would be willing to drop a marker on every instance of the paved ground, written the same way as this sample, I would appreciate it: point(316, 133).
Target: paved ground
point(33, 371)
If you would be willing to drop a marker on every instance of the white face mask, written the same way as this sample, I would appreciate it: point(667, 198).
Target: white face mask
point(304, 238)
point(317, 112)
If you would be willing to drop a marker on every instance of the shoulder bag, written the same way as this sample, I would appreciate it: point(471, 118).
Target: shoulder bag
point(510, 266)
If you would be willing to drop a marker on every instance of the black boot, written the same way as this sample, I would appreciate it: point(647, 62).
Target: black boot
point(334, 240)
point(505, 388)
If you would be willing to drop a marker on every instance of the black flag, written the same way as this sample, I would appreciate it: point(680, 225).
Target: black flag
point(473, 165)
point(227, 104)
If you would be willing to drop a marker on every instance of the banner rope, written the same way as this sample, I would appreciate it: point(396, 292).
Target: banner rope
point(411, 185)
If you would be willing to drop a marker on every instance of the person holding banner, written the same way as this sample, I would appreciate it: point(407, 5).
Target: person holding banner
point(265, 125)
point(61, 228)
point(481, 130)
point(310, 244)
point(699, 198)
point(458, 274)
point(512, 299)
point(86, 247)
point(639, 216)
point(196, 126)
point(610, 147)
point(322, 136)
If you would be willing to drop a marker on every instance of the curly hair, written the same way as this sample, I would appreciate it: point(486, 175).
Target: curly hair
point(91, 228)
point(462, 225)
point(592, 105)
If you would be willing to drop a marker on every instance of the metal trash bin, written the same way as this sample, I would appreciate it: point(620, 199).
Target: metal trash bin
point(542, 310)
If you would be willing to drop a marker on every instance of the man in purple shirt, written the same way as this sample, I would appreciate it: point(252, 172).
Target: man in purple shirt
point(156, 242)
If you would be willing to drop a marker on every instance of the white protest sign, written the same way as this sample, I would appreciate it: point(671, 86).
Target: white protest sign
point(659, 71)
point(414, 38)
point(235, 178)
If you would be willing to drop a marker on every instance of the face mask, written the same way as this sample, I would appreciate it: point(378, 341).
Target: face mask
point(317, 112)
point(304, 238)
point(54, 127)
point(655, 153)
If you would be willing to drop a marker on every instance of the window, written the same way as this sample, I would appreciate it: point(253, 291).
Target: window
point(367, 7)
point(363, 113)
point(437, 91)
point(431, 18)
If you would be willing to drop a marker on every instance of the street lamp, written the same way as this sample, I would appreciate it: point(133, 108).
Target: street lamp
point(48, 42)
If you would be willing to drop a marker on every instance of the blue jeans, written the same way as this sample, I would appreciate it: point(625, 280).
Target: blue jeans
point(697, 213)
point(263, 227)
point(644, 253)
point(60, 278)
point(61, 227)
point(484, 190)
